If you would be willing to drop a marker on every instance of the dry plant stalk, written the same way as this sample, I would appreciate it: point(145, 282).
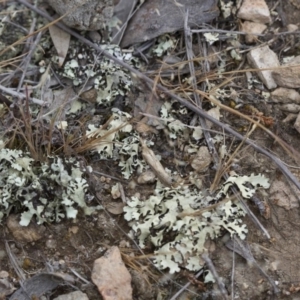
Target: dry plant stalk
point(91, 141)
point(225, 166)
point(134, 264)
point(27, 133)
point(289, 149)
point(33, 132)
point(155, 164)
point(199, 212)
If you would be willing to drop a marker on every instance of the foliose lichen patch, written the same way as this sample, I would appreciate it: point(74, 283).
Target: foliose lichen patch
point(178, 221)
point(47, 191)
point(84, 64)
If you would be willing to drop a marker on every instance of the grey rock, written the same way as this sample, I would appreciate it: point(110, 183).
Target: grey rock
point(84, 15)
point(264, 58)
point(255, 10)
point(289, 74)
point(157, 17)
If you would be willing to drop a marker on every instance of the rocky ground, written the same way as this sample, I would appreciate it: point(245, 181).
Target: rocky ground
point(113, 185)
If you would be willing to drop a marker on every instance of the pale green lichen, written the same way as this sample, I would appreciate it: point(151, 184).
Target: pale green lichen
point(177, 130)
point(211, 37)
point(167, 219)
point(113, 144)
point(165, 44)
point(109, 79)
point(47, 191)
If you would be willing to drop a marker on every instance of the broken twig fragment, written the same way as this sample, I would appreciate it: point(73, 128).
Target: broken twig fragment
point(155, 164)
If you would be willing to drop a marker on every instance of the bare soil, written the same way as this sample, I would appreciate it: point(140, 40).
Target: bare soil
point(73, 245)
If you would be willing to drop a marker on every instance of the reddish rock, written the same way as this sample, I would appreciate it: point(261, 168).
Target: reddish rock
point(30, 233)
point(111, 276)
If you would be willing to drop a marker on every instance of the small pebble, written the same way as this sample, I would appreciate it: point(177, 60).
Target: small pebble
point(2, 254)
point(73, 229)
point(62, 263)
point(51, 244)
point(146, 177)
point(4, 274)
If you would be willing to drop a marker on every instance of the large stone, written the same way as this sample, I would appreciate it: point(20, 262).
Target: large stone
point(289, 74)
point(39, 284)
point(290, 107)
point(283, 95)
point(255, 10)
point(292, 27)
point(84, 15)
point(264, 58)
point(111, 276)
point(156, 17)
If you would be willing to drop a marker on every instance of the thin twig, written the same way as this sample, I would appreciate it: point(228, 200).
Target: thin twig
point(185, 286)
point(14, 93)
point(14, 263)
point(122, 192)
point(241, 32)
point(18, 270)
point(79, 276)
point(25, 63)
point(29, 41)
point(117, 38)
point(233, 271)
point(108, 176)
point(5, 78)
point(213, 270)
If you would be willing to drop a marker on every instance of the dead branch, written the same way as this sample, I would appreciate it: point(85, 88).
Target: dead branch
point(14, 93)
point(28, 58)
point(213, 270)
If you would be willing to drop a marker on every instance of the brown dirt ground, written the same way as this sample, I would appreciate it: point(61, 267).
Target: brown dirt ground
point(76, 244)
